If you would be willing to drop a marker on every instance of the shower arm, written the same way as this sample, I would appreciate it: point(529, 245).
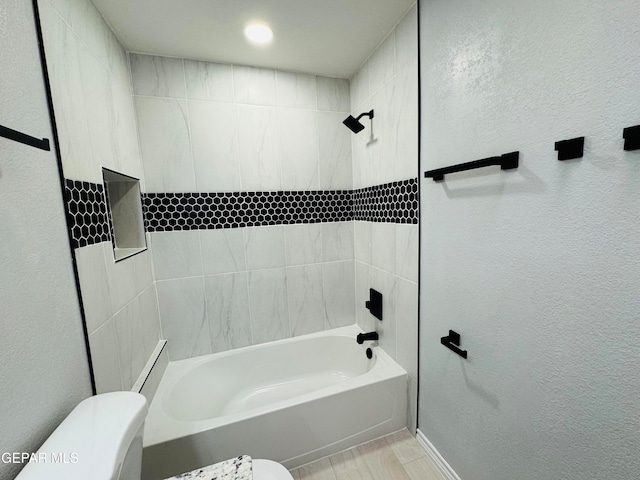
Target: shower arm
point(365, 114)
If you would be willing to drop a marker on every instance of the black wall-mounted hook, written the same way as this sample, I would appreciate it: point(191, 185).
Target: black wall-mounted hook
point(374, 304)
point(452, 342)
point(631, 137)
point(570, 149)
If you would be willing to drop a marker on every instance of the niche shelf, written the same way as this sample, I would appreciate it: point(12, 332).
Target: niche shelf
point(125, 210)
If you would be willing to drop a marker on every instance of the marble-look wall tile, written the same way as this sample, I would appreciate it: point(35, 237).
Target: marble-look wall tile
point(359, 87)
point(183, 317)
point(268, 301)
point(66, 83)
point(406, 92)
point(157, 76)
point(176, 254)
point(264, 247)
point(361, 157)
point(223, 251)
point(165, 144)
point(118, 62)
point(121, 278)
point(362, 241)
point(296, 90)
point(407, 39)
point(381, 64)
point(299, 149)
point(382, 152)
point(407, 251)
point(90, 27)
point(215, 146)
point(334, 150)
point(129, 333)
point(364, 319)
point(303, 243)
point(333, 94)
point(338, 285)
point(306, 306)
point(337, 241)
point(383, 246)
point(101, 116)
point(228, 311)
point(407, 326)
point(254, 86)
point(126, 133)
point(143, 268)
point(149, 320)
point(209, 81)
point(259, 148)
point(64, 8)
point(386, 284)
point(105, 358)
point(94, 285)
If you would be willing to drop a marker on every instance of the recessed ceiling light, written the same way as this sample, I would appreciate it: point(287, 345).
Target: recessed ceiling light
point(258, 33)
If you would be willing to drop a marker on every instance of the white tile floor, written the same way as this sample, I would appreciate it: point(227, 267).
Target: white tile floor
point(398, 456)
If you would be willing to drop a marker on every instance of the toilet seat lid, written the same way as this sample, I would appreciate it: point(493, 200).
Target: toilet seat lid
point(269, 470)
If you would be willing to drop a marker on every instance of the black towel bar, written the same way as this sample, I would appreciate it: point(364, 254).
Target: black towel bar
point(506, 161)
point(42, 144)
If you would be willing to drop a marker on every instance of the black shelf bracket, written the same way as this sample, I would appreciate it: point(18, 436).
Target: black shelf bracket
point(507, 161)
point(452, 342)
point(570, 149)
point(374, 304)
point(42, 144)
point(631, 137)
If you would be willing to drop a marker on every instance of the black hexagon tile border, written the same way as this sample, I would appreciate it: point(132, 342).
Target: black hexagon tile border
point(87, 212)
point(395, 202)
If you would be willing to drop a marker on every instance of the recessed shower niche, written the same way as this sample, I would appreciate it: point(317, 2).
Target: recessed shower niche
point(125, 210)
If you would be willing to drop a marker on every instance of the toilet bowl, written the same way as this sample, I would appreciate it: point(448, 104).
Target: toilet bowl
point(102, 440)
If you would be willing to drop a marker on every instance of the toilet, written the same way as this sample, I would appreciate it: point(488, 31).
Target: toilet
point(101, 439)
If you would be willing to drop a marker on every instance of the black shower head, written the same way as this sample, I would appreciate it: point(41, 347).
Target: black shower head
point(353, 123)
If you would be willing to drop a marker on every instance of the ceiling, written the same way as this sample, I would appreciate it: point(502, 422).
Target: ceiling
point(325, 37)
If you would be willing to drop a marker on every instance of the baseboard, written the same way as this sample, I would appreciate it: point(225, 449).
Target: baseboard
point(443, 467)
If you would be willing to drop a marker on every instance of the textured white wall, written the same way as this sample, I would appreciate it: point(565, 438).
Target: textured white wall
point(387, 151)
point(93, 104)
point(43, 361)
point(537, 269)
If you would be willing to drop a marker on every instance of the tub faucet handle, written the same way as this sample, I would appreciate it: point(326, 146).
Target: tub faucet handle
point(362, 337)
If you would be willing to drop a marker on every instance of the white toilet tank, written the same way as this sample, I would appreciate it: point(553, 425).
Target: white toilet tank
point(101, 439)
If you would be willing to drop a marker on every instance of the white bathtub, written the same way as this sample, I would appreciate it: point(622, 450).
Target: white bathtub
point(293, 401)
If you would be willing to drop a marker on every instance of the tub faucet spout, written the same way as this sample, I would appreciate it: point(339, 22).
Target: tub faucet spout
point(362, 337)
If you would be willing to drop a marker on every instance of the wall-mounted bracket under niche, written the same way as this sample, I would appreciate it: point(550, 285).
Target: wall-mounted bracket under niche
point(125, 211)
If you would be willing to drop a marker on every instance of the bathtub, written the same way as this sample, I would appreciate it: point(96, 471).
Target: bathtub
point(293, 401)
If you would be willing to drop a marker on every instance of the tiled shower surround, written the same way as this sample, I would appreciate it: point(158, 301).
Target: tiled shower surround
point(261, 208)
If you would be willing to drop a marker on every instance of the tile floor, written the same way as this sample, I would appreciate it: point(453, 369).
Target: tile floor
point(398, 456)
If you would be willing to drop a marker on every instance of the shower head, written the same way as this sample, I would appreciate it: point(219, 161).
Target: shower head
point(353, 123)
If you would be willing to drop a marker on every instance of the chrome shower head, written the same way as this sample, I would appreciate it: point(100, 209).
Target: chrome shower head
point(354, 124)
